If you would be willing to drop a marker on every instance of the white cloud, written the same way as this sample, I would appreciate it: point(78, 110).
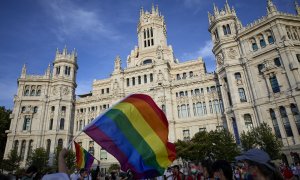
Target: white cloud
point(205, 52)
point(75, 21)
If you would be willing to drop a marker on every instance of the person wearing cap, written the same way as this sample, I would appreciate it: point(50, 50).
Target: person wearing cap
point(259, 166)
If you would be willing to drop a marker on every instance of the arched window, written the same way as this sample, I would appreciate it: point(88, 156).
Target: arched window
point(32, 93)
point(197, 91)
point(242, 95)
point(26, 124)
point(60, 143)
point(260, 67)
point(145, 78)
point(181, 93)
point(184, 113)
point(191, 74)
point(277, 62)
point(62, 124)
point(29, 148)
point(52, 108)
point(224, 30)
point(261, 41)
point(103, 154)
point(35, 109)
point(296, 115)
point(228, 29)
point(204, 108)
point(23, 109)
point(237, 76)
point(147, 61)
point(26, 91)
point(248, 121)
point(184, 76)
point(286, 122)
point(48, 146)
point(151, 77)
point(133, 81)
point(254, 45)
point(139, 79)
point(23, 146)
point(199, 109)
point(127, 79)
point(38, 93)
point(51, 124)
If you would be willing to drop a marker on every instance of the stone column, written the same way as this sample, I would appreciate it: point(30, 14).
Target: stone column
point(280, 123)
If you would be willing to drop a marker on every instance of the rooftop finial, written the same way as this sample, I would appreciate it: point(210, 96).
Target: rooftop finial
point(271, 8)
point(65, 50)
point(227, 7)
point(23, 74)
point(153, 9)
point(216, 11)
point(297, 7)
point(141, 11)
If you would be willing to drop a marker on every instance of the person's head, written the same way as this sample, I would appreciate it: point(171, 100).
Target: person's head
point(176, 168)
point(31, 170)
point(258, 164)
point(222, 170)
point(83, 172)
point(207, 168)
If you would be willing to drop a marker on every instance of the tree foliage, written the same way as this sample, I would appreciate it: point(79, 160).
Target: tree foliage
point(12, 162)
point(39, 158)
point(4, 125)
point(218, 144)
point(263, 138)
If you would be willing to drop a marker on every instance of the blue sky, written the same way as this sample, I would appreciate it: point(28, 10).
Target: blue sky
point(31, 30)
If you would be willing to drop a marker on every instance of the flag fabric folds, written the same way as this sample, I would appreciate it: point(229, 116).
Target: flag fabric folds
point(135, 131)
point(83, 158)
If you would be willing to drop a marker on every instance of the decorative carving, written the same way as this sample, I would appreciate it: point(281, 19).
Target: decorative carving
point(220, 59)
point(232, 53)
point(54, 90)
point(159, 53)
point(66, 91)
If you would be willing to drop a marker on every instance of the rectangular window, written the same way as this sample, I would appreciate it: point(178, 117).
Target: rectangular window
point(178, 76)
point(151, 77)
point(260, 67)
point(133, 81)
point(26, 125)
point(242, 95)
point(127, 82)
point(277, 62)
point(139, 80)
point(102, 91)
point(274, 84)
point(107, 90)
point(145, 78)
point(186, 135)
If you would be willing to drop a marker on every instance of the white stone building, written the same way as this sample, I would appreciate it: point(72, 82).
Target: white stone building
point(256, 80)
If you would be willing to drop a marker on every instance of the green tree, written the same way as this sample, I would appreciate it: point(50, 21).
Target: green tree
point(218, 144)
point(113, 167)
point(263, 138)
point(39, 158)
point(12, 162)
point(4, 125)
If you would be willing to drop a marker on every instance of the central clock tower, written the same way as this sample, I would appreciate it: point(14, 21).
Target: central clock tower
point(151, 29)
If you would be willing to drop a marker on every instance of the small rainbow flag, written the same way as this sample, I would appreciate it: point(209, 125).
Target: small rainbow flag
point(135, 131)
point(83, 158)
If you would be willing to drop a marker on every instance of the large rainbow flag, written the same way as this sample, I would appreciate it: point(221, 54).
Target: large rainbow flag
point(135, 131)
point(83, 158)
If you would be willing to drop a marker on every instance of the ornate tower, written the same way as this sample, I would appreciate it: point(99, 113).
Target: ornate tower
point(151, 29)
point(59, 125)
point(271, 8)
point(297, 7)
point(224, 27)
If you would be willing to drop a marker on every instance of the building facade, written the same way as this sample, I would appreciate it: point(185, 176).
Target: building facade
point(256, 80)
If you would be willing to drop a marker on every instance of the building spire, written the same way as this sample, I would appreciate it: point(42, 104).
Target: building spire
point(48, 70)
point(216, 10)
point(23, 74)
point(297, 7)
point(153, 9)
point(227, 7)
point(271, 8)
point(141, 11)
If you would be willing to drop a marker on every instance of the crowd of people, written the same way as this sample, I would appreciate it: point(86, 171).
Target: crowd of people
point(254, 164)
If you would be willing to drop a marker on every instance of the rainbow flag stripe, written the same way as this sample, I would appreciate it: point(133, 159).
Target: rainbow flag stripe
point(135, 131)
point(83, 158)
